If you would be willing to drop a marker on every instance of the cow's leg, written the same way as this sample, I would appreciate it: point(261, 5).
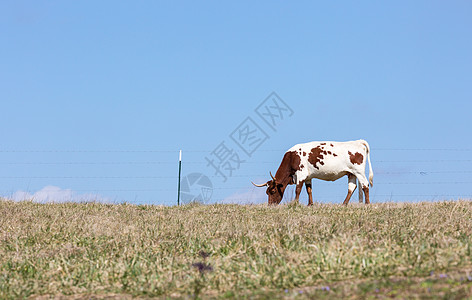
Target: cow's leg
point(298, 190)
point(366, 192)
point(361, 195)
point(364, 185)
point(309, 191)
point(351, 187)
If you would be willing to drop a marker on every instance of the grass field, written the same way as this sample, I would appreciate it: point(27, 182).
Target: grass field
point(75, 250)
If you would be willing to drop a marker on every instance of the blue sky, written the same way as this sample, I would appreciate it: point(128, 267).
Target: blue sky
point(98, 97)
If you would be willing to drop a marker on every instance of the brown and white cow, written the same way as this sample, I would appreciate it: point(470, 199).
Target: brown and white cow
point(322, 160)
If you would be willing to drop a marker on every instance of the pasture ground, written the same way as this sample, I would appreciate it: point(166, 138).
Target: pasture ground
point(92, 250)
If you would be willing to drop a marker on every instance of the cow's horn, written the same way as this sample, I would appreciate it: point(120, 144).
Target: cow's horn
point(273, 178)
point(259, 185)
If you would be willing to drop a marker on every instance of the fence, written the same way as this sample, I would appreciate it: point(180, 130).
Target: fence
point(151, 176)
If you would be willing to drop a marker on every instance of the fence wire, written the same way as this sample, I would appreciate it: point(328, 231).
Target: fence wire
point(386, 179)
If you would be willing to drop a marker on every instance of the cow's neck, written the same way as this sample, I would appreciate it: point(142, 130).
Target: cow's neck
point(286, 171)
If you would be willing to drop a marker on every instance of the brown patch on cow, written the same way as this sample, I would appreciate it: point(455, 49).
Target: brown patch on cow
point(302, 166)
point(290, 164)
point(329, 152)
point(323, 144)
point(324, 152)
point(356, 158)
point(315, 156)
point(304, 153)
point(331, 145)
point(321, 163)
point(334, 154)
point(296, 162)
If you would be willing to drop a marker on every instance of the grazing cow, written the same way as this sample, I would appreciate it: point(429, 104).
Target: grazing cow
point(322, 160)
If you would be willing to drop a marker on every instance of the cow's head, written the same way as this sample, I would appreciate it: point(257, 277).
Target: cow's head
point(275, 190)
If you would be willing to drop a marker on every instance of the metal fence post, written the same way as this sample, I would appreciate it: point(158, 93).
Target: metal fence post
point(180, 171)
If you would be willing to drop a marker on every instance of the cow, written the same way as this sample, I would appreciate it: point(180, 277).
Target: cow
point(322, 160)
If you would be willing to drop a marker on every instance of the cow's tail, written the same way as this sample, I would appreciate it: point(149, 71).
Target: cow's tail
point(371, 172)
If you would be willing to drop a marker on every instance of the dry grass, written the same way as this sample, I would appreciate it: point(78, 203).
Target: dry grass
point(114, 251)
